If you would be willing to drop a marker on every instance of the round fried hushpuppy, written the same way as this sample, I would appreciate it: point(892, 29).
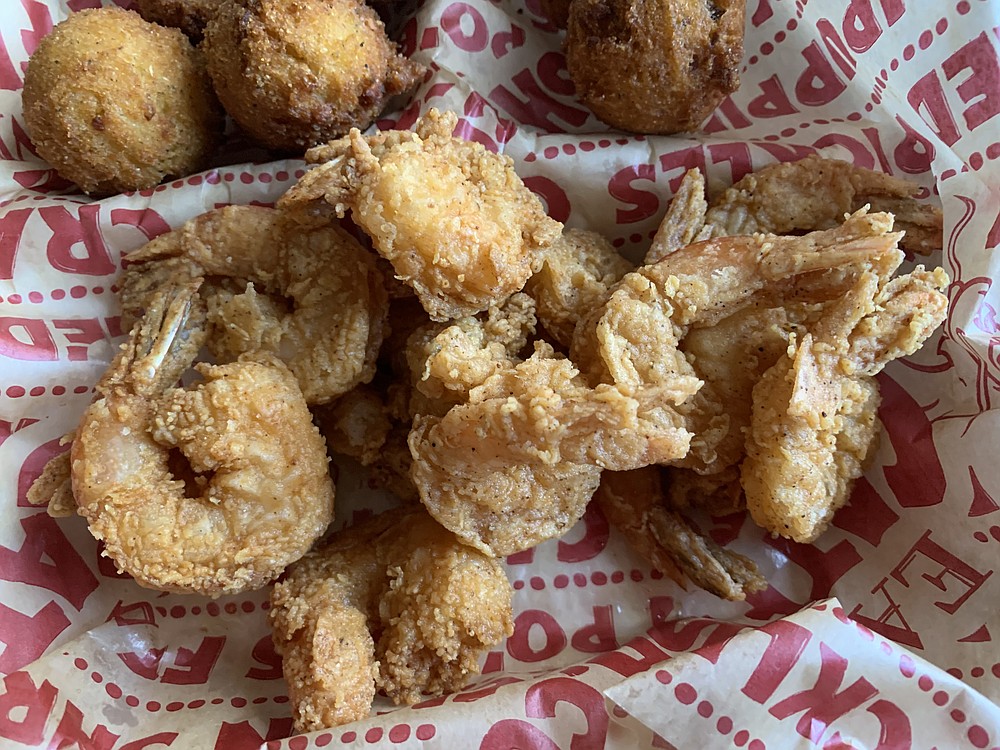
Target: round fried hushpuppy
point(116, 103)
point(190, 16)
point(654, 66)
point(296, 73)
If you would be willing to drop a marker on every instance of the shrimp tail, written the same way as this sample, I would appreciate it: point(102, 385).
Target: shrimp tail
point(864, 238)
point(162, 344)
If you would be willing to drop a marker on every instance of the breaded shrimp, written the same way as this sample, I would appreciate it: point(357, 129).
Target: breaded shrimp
point(814, 412)
point(632, 340)
point(54, 486)
point(730, 357)
point(815, 193)
point(802, 196)
point(331, 337)
point(517, 463)
point(454, 219)
point(320, 618)
point(396, 604)
point(447, 361)
point(577, 271)
point(258, 492)
point(684, 222)
point(633, 502)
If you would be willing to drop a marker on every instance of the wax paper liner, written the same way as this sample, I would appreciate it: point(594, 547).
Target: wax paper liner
point(92, 659)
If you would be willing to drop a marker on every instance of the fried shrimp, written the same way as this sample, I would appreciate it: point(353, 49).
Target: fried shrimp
point(577, 271)
point(257, 493)
point(447, 361)
point(256, 259)
point(815, 193)
point(517, 463)
point(814, 412)
point(454, 219)
point(632, 340)
point(730, 357)
point(396, 604)
point(633, 502)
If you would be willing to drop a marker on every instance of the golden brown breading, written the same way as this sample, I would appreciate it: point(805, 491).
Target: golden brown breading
point(255, 492)
point(308, 293)
point(578, 269)
point(395, 603)
point(454, 219)
point(517, 463)
point(295, 73)
point(814, 419)
point(654, 66)
point(190, 16)
point(54, 487)
point(816, 193)
point(115, 103)
point(356, 424)
point(633, 502)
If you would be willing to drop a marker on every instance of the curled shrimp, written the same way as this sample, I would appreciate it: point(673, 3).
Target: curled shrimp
point(802, 196)
point(454, 220)
point(255, 260)
point(519, 461)
point(395, 604)
point(632, 340)
point(258, 492)
point(814, 417)
point(815, 193)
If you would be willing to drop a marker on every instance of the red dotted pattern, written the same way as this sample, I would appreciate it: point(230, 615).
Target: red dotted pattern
point(18, 391)
point(581, 580)
point(115, 692)
point(687, 694)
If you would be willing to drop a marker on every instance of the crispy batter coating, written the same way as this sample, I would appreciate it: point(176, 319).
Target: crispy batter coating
point(397, 604)
point(454, 219)
point(54, 486)
point(115, 103)
point(330, 338)
point(577, 271)
point(654, 66)
point(816, 193)
point(295, 73)
point(320, 618)
point(448, 361)
point(684, 222)
point(517, 463)
point(190, 16)
point(730, 357)
point(814, 417)
point(257, 492)
point(356, 424)
point(632, 340)
point(633, 502)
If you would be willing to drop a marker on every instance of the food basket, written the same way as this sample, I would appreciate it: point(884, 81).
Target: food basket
point(881, 634)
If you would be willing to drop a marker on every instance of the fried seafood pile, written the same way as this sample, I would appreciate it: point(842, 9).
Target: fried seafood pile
point(496, 369)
